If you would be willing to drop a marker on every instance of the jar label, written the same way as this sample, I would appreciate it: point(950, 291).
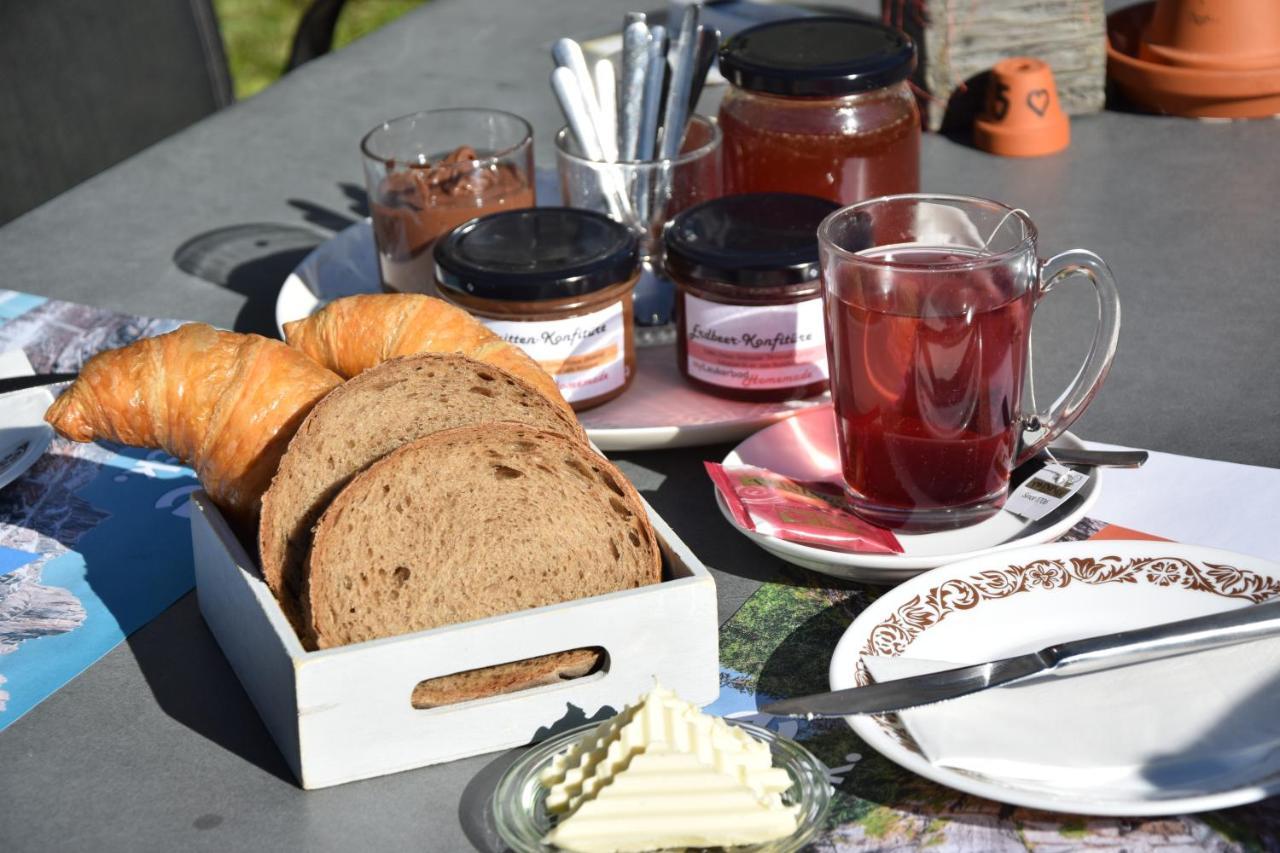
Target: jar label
point(585, 354)
point(756, 346)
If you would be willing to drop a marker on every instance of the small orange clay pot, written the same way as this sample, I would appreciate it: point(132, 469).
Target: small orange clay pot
point(1023, 117)
point(1216, 34)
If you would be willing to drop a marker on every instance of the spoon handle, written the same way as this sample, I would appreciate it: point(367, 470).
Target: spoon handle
point(708, 46)
point(635, 63)
point(655, 77)
point(607, 118)
point(678, 107)
point(572, 102)
point(1099, 458)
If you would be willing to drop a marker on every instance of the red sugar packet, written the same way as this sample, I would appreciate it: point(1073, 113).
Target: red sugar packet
point(808, 513)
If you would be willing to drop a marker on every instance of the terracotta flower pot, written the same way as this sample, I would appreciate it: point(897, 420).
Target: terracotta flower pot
point(1023, 116)
point(1164, 87)
point(1217, 34)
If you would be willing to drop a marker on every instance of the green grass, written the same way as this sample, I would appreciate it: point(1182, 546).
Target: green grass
point(258, 33)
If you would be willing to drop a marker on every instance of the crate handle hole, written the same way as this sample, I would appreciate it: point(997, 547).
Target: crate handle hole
point(512, 678)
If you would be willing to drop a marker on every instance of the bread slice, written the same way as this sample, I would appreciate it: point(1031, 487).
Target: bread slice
point(505, 678)
point(470, 523)
point(363, 420)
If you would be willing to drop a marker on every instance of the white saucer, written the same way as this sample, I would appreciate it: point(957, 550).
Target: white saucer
point(804, 448)
point(659, 410)
point(1001, 605)
point(24, 435)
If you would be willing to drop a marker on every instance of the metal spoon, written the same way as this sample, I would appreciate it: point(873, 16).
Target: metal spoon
point(708, 46)
point(567, 53)
point(607, 119)
point(655, 75)
point(565, 85)
point(635, 64)
point(1095, 458)
point(677, 112)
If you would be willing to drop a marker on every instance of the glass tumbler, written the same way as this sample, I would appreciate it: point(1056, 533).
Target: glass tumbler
point(428, 172)
point(645, 196)
point(929, 301)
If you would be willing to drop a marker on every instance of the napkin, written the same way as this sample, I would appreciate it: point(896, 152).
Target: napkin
point(1173, 727)
point(14, 363)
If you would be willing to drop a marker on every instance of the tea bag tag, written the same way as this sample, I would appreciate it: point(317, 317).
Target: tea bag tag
point(1045, 491)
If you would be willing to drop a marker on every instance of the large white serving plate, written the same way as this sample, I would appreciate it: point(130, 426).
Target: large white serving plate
point(1000, 605)
point(659, 410)
point(804, 447)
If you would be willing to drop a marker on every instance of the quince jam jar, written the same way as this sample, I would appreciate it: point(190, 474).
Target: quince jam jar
point(749, 315)
point(820, 106)
point(556, 282)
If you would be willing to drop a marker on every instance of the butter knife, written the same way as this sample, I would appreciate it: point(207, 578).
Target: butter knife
point(1076, 657)
point(21, 383)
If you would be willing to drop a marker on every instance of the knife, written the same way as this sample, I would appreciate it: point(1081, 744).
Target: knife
point(21, 383)
point(1093, 654)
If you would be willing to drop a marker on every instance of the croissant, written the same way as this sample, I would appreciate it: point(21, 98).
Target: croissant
point(353, 334)
point(224, 403)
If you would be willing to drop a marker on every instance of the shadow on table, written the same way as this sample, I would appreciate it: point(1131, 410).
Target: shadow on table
point(333, 220)
point(254, 259)
point(475, 806)
point(799, 664)
point(677, 485)
point(194, 684)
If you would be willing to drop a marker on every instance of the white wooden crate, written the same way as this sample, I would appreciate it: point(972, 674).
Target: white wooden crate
point(344, 714)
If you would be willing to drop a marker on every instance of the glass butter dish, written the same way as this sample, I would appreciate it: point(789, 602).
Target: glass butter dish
point(522, 819)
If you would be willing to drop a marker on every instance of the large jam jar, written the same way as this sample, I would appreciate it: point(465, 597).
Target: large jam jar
point(820, 106)
point(749, 313)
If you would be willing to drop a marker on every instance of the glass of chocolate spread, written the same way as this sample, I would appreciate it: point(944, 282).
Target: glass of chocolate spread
point(431, 171)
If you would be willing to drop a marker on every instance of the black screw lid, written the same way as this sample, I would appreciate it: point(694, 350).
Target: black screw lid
point(827, 55)
point(536, 253)
point(752, 240)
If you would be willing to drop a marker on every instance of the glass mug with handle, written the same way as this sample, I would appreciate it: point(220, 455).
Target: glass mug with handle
point(929, 301)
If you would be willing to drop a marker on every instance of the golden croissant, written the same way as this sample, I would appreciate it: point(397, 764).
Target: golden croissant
point(224, 403)
point(353, 334)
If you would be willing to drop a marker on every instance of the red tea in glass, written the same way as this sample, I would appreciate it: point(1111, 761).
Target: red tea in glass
point(929, 301)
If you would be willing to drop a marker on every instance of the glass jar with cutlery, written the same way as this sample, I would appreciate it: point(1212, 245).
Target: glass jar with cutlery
point(645, 196)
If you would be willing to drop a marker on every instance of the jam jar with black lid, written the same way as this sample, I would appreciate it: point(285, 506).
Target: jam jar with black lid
point(749, 314)
point(820, 106)
point(558, 283)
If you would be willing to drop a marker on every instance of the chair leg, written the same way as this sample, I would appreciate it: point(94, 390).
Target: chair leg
point(314, 36)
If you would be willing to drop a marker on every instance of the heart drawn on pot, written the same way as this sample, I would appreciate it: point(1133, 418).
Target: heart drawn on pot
point(1038, 100)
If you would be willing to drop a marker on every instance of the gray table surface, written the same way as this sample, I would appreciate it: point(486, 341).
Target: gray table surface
point(156, 747)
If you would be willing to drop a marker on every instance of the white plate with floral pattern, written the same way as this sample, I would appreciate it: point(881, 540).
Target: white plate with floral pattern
point(1005, 604)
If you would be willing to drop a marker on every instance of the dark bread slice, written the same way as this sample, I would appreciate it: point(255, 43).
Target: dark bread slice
point(470, 523)
point(505, 678)
point(363, 420)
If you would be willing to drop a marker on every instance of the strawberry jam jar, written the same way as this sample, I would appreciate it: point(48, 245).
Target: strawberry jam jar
point(749, 314)
point(820, 106)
